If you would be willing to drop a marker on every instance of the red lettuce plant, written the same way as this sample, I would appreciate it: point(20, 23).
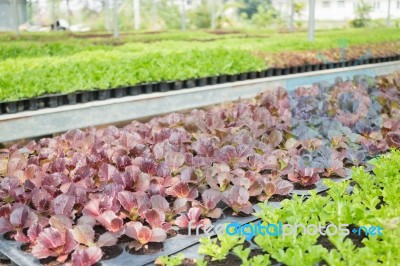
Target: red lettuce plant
point(143, 234)
point(15, 221)
point(52, 242)
point(305, 177)
point(274, 186)
point(192, 218)
point(86, 256)
point(238, 199)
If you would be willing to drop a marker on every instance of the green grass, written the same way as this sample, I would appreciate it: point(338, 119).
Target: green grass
point(36, 64)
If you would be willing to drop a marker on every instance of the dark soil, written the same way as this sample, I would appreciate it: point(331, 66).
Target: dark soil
point(279, 198)
point(185, 231)
point(4, 260)
point(381, 202)
point(98, 231)
point(7, 236)
point(171, 233)
point(124, 239)
point(298, 186)
point(231, 259)
point(148, 249)
point(221, 205)
point(189, 262)
point(51, 261)
point(111, 252)
point(24, 247)
point(230, 213)
point(324, 241)
point(273, 198)
point(353, 183)
point(355, 237)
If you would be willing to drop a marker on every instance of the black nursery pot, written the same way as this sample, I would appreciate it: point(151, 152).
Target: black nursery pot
point(11, 107)
point(2, 111)
point(277, 71)
point(178, 85)
point(54, 101)
point(37, 103)
point(201, 82)
point(134, 90)
point(148, 88)
point(253, 75)
point(221, 79)
point(85, 96)
point(103, 95)
point(190, 83)
point(286, 71)
point(243, 76)
point(72, 98)
point(261, 74)
point(212, 80)
point(232, 78)
point(119, 92)
point(164, 87)
point(329, 66)
point(309, 68)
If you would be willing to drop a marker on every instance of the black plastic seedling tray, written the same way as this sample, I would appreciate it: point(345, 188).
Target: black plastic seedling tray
point(49, 101)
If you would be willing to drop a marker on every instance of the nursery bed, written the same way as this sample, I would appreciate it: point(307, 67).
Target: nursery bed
point(184, 244)
point(92, 189)
point(56, 100)
point(30, 124)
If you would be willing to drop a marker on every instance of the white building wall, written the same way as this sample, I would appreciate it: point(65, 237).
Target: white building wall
point(341, 10)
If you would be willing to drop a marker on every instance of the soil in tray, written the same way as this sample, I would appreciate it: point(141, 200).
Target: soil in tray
point(324, 241)
point(111, 252)
point(297, 186)
point(273, 198)
point(229, 213)
point(279, 198)
point(355, 237)
point(232, 259)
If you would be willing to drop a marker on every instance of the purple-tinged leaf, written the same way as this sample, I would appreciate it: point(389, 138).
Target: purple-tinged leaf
point(61, 222)
point(110, 221)
point(238, 199)
point(305, 177)
point(192, 219)
point(83, 234)
point(53, 243)
point(23, 217)
point(63, 204)
point(87, 256)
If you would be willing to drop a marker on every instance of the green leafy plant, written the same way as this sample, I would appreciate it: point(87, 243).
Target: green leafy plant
point(219, 247)
point(170, 260)
point(243, 254)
